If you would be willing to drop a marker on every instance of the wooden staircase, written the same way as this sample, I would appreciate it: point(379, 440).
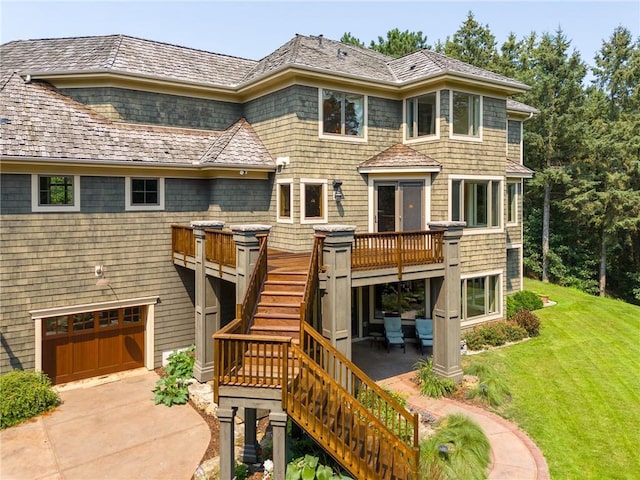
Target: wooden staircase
point(278, 309)
point(272, 345)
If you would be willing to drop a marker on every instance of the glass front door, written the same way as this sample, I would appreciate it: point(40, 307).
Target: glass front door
point(399, 206)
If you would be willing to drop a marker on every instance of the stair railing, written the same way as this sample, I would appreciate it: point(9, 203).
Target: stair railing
point(311, 286)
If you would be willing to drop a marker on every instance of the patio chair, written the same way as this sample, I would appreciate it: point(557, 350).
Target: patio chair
point(393, 333)
point(424, 333)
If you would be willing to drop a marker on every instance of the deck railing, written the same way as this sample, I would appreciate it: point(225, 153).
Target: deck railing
point(396, 249)
point(220, 248)
point(183, 242)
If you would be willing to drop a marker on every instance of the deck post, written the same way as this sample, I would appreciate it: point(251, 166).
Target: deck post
point(207, 311)
point(226, 416)
point(278, 422)
point(446, 314)
point(247, 248)
point(336, 302)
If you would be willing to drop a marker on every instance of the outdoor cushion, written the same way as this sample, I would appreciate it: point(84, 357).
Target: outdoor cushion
point(393, 332)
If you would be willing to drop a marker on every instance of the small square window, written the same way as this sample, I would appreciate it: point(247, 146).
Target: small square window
point(313, 201)
point(144, 194)
point(55, 193)
point(342, 114)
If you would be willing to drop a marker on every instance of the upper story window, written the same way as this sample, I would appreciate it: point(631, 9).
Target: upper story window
point(421, 116)
point(144, 193)
point(55, 193)
point(313, 201)
point(342, 114)
point(284, 201)
point(477, 202)
point(466, 114)
point(513, 193)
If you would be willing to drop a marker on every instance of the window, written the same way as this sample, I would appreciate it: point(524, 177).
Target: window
point(144, 194)
point(476, 202)
point(55, 193)
point(284, 201)
point(342, 114)
point(480, 296)
point(421, 116)
point(407, 299)
point(313, 201)
point(466, 108)
point(513, 192)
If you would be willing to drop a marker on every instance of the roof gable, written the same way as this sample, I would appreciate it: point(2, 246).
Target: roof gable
point(399, 157)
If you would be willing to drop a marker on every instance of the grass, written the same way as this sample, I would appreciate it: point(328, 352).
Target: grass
point(576, 387)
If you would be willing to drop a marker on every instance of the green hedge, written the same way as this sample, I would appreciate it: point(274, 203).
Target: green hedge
point(24, 395)
point(523, 300)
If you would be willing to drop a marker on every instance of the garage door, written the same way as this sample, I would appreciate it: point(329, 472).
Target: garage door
point(89, 344)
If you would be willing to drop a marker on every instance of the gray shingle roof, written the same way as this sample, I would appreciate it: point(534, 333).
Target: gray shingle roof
point(400, 156)
point(238, 145)
point(121, 53)
point(515, 169)
point(43, 123)
point(134, 56)
point(521, 107)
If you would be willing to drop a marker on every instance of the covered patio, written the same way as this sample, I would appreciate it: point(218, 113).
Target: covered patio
point(374, 360)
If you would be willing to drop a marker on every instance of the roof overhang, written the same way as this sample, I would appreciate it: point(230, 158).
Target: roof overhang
point(398, 170)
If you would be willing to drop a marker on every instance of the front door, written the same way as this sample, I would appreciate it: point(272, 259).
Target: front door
point(399, 206)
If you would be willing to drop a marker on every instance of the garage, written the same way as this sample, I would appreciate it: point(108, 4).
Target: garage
point(88, 344)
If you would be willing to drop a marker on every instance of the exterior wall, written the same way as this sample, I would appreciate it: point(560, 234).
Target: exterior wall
point(514, 141)
point(513, 276)
point(47, 260)
point(133, 106)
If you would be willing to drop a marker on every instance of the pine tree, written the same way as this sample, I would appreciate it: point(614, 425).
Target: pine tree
point(473, 43)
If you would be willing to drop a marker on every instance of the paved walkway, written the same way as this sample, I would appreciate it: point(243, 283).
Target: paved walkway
point(107, 431)
point(514, 456)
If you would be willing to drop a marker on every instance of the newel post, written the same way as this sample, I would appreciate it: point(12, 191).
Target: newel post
point(247, 248)
point(336, 302)
point(446, 314)
point(207, 311)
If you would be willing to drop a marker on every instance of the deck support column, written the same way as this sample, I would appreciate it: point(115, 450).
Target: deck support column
point(278, 422)
point(336, 301)
point(249, 451)
point(207, 303)
point(247, 248)
point(446, 321)
point(226, 416)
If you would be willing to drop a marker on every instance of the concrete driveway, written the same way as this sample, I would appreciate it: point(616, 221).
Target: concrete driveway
point(109, 430)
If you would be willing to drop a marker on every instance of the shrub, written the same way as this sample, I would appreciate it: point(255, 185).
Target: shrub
point(458, 449)
point(309, 468)
point(492, 389)
point(430, 384)
point(523, 300)
point(172, 388)
point(494, 334)
point(529, 321)
point(24, 395)
point(514, 332)
point(241, 471)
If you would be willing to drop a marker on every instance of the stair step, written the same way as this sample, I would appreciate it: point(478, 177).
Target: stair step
point(277, 316)
point(281, 297)
point(275, 308)
point(287, 276)
point(284, 286)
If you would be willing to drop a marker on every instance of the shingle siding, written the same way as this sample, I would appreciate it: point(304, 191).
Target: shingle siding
point(102, 194)
point(184, 195)
point(15, 194)
point(514, 139)
point(134, 106)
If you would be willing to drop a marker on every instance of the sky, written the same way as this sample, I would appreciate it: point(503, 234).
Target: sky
point(255, 29)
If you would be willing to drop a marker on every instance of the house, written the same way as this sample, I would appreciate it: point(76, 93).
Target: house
point(149, 190)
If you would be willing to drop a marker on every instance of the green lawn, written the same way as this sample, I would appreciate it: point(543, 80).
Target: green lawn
point(576, 387)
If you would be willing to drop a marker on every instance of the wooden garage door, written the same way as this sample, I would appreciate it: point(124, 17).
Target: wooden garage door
point(89, 344)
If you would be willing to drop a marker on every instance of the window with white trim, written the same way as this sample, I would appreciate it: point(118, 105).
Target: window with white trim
point(144, 193)
point(480, 296)
point(466, 112)
point(421, 116)
point(55, 193)
point(313, 201)
point(284, 200)
point(513, 195)
point(476, 202)
point(342, 114)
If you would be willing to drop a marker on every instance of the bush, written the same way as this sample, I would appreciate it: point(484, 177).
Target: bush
point(494, 334)
point(430, 384)
point(172, 388)
point(492, 389)
point(529, 321)
point(24, 395)
point(309, 468)
point(523, 300)
point(458, 449)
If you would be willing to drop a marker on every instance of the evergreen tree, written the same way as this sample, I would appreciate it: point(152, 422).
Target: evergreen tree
point(398, 44)
point(351, 40)
point(473, 43)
